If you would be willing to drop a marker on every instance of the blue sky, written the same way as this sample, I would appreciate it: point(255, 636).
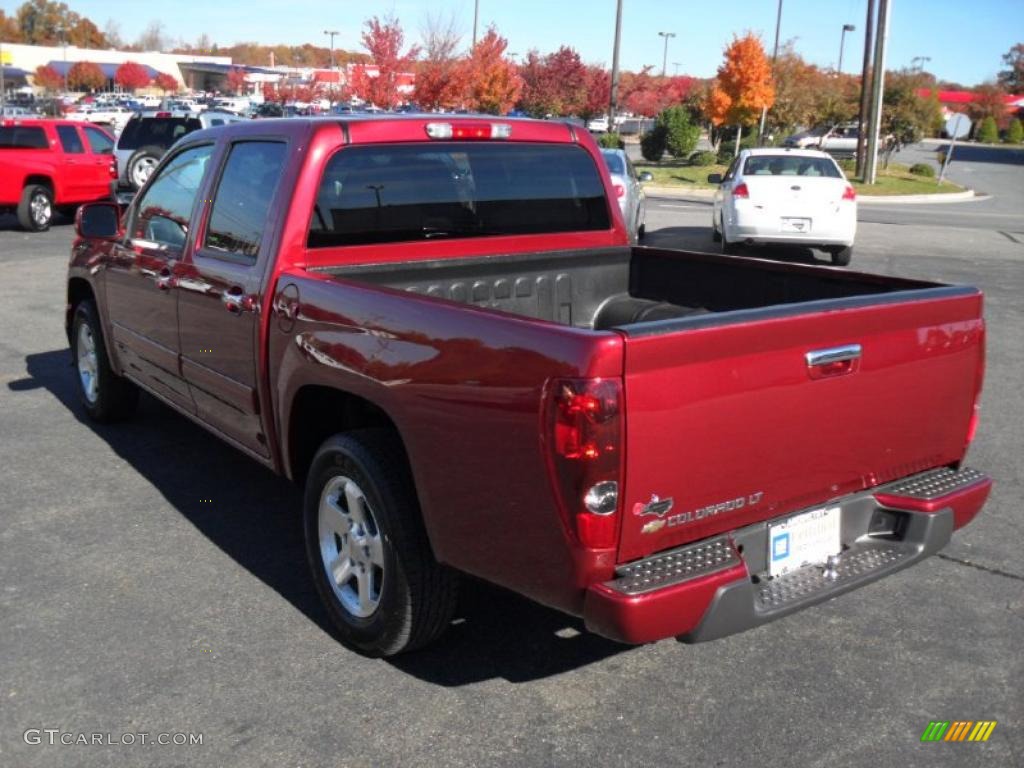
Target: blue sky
point(964, 38)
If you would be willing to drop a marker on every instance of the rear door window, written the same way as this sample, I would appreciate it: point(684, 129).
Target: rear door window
point(70, 140)
point(242, 203)
point(407, 192)
point(23, 137)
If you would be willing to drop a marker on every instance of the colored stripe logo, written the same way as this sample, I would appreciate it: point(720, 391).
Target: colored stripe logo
point(958, 730)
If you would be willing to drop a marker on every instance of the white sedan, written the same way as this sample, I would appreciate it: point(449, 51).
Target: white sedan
point(785, 196)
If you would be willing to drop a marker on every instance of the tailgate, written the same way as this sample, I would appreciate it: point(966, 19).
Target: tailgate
point(727, 424)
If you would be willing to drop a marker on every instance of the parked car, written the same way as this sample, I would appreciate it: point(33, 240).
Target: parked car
point(148, 135)
point(598, 125)
point(48, 165)
point(269, 109)
point(629, 191)
point(838, 140)
point(439, 327)
point(113, 117)
point(784, 196)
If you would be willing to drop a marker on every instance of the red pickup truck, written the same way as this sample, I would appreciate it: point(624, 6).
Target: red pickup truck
point(47, 164)
point(438, 326)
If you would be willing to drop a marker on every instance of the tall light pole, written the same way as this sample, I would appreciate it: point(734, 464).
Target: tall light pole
point(476, 15)
point(664, 57)
point(675, 71)
point(613, 91)
point(2, 86)
point(64, 44)
point(842, 43)
point(919, 67)
point(775, 55)
point(332, 33)
point(877, 89)
point(865, 91)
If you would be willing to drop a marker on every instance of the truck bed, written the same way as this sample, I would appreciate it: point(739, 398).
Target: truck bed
point(646, 290)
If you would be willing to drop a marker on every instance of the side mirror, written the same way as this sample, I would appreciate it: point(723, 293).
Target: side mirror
point(714, 178)
point(646, 176)
point(98, 221)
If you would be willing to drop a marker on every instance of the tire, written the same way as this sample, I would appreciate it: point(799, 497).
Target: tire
point(841, 256)
point(141, 164)
point(641, 232)
point(729, 249)
point(35, 210)
point(105, 396)
point(716, 236)
point(393, 596)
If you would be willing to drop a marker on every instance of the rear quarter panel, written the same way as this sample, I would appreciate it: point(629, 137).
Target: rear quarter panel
point(463, 386)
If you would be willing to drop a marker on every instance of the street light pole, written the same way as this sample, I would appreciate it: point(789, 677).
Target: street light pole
point(476, 15)
point(675, 65)
point(613, 91)
point(664, 57)
point(865, 90)
point(332, 33)
point(775, 55)
point(842, 43)
point(877, 89)
point(3, 88)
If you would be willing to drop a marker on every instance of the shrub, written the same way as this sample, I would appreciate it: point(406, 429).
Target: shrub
point(988, 133)
point(725, 154)
point(922, 169)
point(680, 134)
point(703, 158)
point(610, 140)
point(1015, 133)
point(653, 143)
point(848, 164)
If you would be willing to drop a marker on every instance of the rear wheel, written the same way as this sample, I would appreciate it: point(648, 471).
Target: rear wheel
point(368, 550)
point(142, 164)
point(35, 210)
point(841, 256)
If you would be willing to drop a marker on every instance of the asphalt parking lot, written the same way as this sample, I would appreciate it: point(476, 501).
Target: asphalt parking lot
point(131, 604)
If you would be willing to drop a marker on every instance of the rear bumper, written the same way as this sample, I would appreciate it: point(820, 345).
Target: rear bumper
point(715, 588)
point(749, 222)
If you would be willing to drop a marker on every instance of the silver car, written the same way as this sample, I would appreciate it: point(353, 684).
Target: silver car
point(629, 191)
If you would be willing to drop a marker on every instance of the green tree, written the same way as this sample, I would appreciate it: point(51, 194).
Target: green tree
point(653, 143)
point(988, 133)
point(680, 134)
point(1012, 78)
point(1015, 133)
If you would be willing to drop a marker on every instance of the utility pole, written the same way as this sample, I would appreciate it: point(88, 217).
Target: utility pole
point(664, 57)
point(476, 15)
point(332, 33)
point(675, 72)
point(775, 55)
point(64, 44)
point(3, 88)
point(865, 90)
point(842, 44)
point(613, 91)
point(877, 90)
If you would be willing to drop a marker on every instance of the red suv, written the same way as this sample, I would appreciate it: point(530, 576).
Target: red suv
point(53, 164)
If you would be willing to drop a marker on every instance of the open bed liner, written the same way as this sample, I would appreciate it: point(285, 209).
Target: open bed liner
point(648, 290)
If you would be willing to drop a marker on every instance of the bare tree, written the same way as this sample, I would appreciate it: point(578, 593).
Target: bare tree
point(441, 35)
point(153, 37)
point(112, 31)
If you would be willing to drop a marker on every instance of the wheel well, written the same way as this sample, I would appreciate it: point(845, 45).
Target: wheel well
point(319, 412)
point(43, 181)
point(78, 291)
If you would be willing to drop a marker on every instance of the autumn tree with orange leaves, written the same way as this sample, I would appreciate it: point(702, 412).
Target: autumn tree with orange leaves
point(743, 86)
point(493, 82)
point(384, 41)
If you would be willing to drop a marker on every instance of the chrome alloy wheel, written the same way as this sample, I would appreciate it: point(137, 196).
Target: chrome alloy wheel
point(142, 169)
point(85, 351)
point(351, 548)
point(41, 209)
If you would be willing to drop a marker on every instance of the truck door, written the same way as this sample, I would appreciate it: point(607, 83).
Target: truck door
point(220, 295)
point(101, 150)
point(76, 165)
point(142, 275)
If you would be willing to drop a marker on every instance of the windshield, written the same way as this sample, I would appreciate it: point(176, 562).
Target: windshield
point(379, 194)
point(156, 131)
point(615, 163)
point(790, 165)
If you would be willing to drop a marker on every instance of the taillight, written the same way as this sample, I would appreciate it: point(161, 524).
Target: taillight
point(583, 432)
point(620, 191)
point(113, 168)
point(849, 193)
point(979, 381)
point(741, 191)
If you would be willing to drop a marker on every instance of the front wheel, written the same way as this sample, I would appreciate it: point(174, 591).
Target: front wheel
point(841, 256)
point(105, 395)
point(368, 550)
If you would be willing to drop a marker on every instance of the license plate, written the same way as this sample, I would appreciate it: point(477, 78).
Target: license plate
point(796, 225)
point(803, 540)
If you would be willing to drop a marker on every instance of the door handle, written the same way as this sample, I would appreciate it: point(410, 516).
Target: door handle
point(834, 361)
point(237, 302)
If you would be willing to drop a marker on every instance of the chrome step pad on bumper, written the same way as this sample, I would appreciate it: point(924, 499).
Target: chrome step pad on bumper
point(931, 484)
point(674, 566)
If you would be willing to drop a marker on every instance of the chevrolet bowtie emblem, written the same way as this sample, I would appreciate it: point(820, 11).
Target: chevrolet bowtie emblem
point(657, 507)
